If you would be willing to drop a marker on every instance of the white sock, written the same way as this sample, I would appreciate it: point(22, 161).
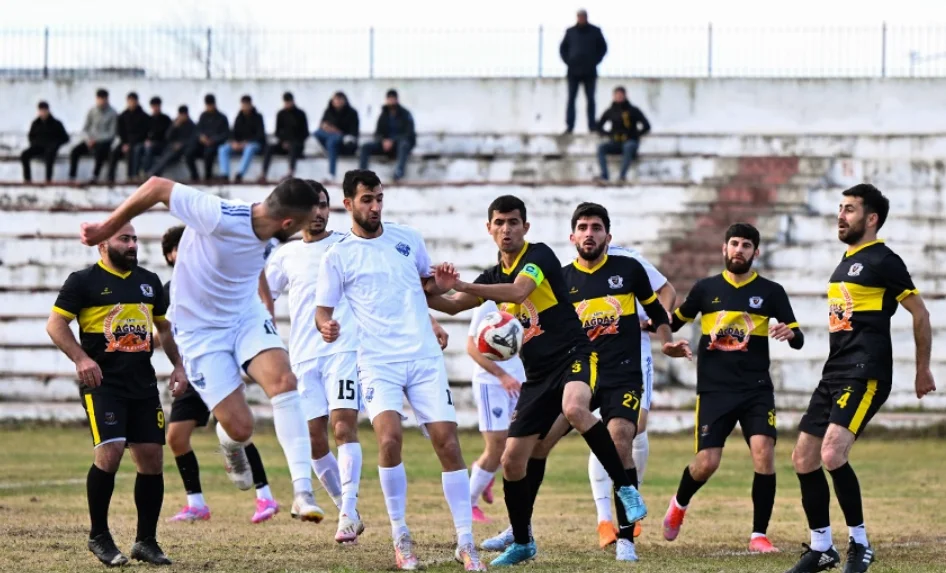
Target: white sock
point(479, 479)
point(756, 535)
point(821, 539)
point(456, 488)
point(196, 500)
point(677, 504)
point(859, 533)
point(349, 467)
point(326, 468)
point(601, 486)
point(394, 487)
point(226, 441)
point(264, 493)
point(292, 431)
point(640, 452)
point(302, 485)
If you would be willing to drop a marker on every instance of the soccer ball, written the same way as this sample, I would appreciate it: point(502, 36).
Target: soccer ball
point(499, 336)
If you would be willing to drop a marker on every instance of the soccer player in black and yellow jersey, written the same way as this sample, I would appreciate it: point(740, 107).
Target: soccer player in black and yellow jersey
point(118, 304)
point(863, 293)
point(732, 381)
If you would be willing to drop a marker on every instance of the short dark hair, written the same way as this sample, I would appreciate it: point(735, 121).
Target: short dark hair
point(182, 110)
point(132, 95)
point(102, 93)
point(391, 93)
point(319, 188)
point(743, 231)
point(874, 201)
point(621, 89)
point(155, 100)
point(287, 96)
point(588, 209)
point(246, 99)
point(506, 204)
point(42, 105)
point(357, 177)
point(170, 241)
point(209, 99)
point(291, 196)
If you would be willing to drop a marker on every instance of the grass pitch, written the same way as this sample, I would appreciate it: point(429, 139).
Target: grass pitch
point(44, 520)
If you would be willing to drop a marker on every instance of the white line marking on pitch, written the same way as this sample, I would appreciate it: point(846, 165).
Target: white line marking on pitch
point(44, 483)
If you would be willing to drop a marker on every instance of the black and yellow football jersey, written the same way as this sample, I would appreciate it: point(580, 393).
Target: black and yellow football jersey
point(550, 326)
point(116, 313)
point(733, 353)
point(605, 299)
point(864, 292)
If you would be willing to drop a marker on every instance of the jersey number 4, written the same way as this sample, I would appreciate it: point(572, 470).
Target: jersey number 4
point(346, 389)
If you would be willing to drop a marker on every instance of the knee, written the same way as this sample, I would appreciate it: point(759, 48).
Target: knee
point(804, 460)
point(240, 430)
point(833, 456)
point(574, 409)
point(109, 456)
point(705, 467)
point(345, 432)
point(178, 440)
point(513, 469)
point(389, 446)
point(150, 460)
point(448, 446)
point(285, 382)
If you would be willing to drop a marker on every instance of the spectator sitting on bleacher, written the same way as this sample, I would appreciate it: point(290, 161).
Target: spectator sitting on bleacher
point(133, 124)
point(393, 136)
point(213, 130)
point(292, 129)
point(179, 140)
point(158, 127)
point(97, 136)
point(47, 135)
point(338, 131)
point(628, 125)
point(249, 136)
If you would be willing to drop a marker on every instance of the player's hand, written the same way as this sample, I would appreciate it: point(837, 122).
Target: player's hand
point(178, 382)
point(678, 349)
point(510, 385)
point(92, 234)
point(924, 383)
point(781, 332)
point(89, 372)
point(329, 331)
point(441, 334)
point(445, 276)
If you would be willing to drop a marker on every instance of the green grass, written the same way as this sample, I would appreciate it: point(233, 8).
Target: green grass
point(43, 515)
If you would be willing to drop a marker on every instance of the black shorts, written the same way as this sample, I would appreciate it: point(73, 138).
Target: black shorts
point(618, 397)
point(189, 406)
point(718, 412)
point(540, 401)
point(847, 402)
point(113, 418)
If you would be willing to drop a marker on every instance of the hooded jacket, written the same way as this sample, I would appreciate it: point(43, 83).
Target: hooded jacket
point(214, 125)
point(627, 122)
point(133, 126)
point(100, 123)
point(249, 127)
point(48, 133)
point(292, 125)
point(401, 125)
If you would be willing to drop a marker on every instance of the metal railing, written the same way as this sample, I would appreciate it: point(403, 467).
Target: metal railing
point(644, 51)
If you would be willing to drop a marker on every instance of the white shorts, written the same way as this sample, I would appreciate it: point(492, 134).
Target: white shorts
point(328, 383)
point(647, 371)
point(214, 357)
point(423, 382)
point(494, 406)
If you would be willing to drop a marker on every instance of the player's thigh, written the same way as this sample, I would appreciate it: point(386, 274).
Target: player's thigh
point(270, 369)
point(260, 351)
point(560, 428)
point(382, 388)
point(428, 391)
point(836, 446)
point(494, 407)
point(817, 416)
point(215, 376)
point(340, 381)
point(146, 422)
point(108, 417)
point(579, 379)
point(619, 399)
point(312, 388)
point(539, 405)
point(716, 417)
point(757, 416)
point(234, 414)
point(856, 402)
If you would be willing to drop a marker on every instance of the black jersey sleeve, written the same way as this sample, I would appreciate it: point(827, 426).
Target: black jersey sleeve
point(896, 277)
point(539, 261)
point(160, 300)
point(691, 307)
point(71, 297)
point(784, 314)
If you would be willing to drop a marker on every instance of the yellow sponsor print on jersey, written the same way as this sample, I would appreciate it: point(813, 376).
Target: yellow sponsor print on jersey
point(730, 331)
point(602, 316)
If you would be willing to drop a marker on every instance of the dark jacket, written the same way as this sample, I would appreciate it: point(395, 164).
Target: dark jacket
point(184, 133)
point(133, 126)
point(582, 49)
point(345, 119)
point(214, 125)
point(627, 122)
point(48, 133)
point(249, 127)
point(403, 125)
point(292, 125)
point(158, 127)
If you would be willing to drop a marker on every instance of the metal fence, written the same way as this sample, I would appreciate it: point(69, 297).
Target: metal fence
point(665, 51)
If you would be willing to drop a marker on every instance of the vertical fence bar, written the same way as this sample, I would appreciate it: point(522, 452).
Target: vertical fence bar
point(709, 50)
point(46, 53)
point(209, 49)
point(371, 52)
point(541, 36)
point(883, 51)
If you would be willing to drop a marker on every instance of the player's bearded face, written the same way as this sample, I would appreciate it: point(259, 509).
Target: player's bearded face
point(125, 257)
point(590, 249)
point(739, 257)
point(851, 227)
point(590, 239)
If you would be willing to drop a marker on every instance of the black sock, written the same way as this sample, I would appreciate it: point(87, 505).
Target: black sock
point(848, 491)
point(149, 496)
point(99, 486)
point(256, 464)
point(535, 473)
point(602, 446)
point(190, 472)
point(687, 488)
point(518, 495)
point(763, 499)
point(625, 528)
point(815, 499)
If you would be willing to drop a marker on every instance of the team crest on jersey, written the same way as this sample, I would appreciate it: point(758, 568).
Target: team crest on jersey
point(110, 419)
point(615, 282)
point(497, 412)
point(704, 431)
point(403, 248)
point(755, 302)
point(198, 381)
point(855, 270)
point(369, 394)
point(732, 334)
point(147, 290)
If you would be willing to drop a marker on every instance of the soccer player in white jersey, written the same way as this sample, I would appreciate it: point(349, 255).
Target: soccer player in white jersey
point(327, 373)
point(220, 323)
point(496, 387)
point(383, 272)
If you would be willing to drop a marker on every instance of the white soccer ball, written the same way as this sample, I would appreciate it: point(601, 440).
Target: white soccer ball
point(499, 336)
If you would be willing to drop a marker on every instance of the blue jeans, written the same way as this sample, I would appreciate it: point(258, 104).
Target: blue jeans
point(627, 149)
point(402, 148)
point(223, 157)
point(333, 146)
point(588, 82)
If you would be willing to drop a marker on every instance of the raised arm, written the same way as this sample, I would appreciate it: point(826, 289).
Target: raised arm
point(153, 191)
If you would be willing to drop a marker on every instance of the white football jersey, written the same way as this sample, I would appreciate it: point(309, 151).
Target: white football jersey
point(219, 260)
point(513, 366)
point(657, 280)
point(381, 280)
point(293, 271)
